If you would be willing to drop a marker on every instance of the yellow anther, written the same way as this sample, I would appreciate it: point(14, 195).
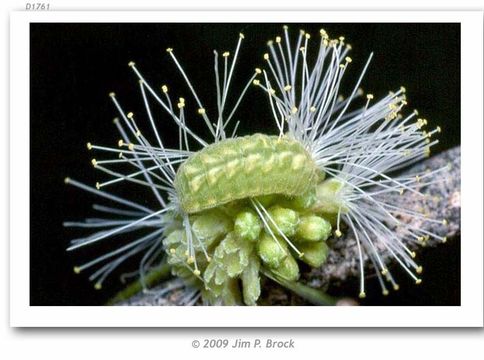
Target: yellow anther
point(112, 94)
point(138, 133)
point(287, 87)
point(401, 191)
point(294, 110)
point(403, 89)
point(226, 54)
point(256, 82)
point(98, 286)
point(419, 269)
point(129, 115)
point(209, 259)
point(172, 251)
point(164, 88)
point(258, 71)
point(417, 178)
point(396, 287)
point(89, 146)
point(201, 111)
point(169, 50)
point(445, 222)
point(439, 129)
point(338, 233)
point(385, 292)
point(308, 36)
point(384, 271)
point(77, 269)
point(415, 111)
point(242, 36)
point(418, 281)
point(312, 109)
point(120, 143)
point(94, 162)
point(67, 180)
point(369, 96)
point(348, 59)
point(266, 56)
point(413, 254)
point(444, 239)
point(98, 185)
point(131, 147)
point(191, 260)
point(362, 295)
point(341, 38)
point(196, 272)
point(278, 39)
point(131, 63)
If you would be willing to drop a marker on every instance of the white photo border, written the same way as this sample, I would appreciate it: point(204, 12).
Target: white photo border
point(469, 314)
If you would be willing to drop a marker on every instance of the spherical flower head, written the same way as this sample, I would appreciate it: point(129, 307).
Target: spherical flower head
point(332, 161)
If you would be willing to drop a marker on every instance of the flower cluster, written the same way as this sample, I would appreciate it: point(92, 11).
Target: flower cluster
point(356, 145)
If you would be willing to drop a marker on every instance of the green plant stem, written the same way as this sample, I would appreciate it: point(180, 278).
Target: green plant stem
point(314, 296)
point(157, 274)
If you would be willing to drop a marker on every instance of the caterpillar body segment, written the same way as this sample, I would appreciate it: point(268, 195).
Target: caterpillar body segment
point(244, 167)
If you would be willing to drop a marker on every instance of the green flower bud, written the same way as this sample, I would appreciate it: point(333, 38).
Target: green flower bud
point(271, 251)
point(232, 255)
point(288, 269)
point(210, 225)
point(328, 199)
point(227, 293)
point(247, 225)
point(313, 228)
point(315, 253)
point(251, 281)
point(267, 200)
point(285, 219)
point(176, 237)
point(305, 201)
point(231, 293)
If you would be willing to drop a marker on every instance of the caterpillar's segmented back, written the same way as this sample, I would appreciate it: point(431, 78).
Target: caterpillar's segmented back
point(244, 167)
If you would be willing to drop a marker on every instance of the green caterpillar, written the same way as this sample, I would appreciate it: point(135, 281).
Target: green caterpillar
point(244, 167)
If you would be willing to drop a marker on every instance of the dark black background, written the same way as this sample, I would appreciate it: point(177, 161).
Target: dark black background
point(75, 66)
